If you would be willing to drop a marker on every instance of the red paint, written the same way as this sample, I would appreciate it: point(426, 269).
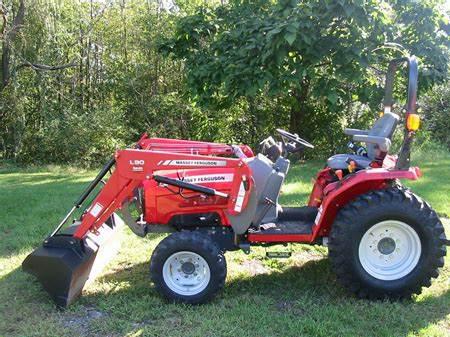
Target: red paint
point(267, 238)
point(135, 167)
point(338, 194)
point(190, 147)
point(212, 167)
point(323, 178)
point(161, 204)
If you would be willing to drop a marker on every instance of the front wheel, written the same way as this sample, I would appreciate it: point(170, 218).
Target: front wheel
point(188, 267)
point(387, 243)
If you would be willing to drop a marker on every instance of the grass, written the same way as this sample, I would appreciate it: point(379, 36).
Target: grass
point(292, 297)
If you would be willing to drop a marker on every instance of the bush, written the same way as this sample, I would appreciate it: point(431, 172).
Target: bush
point(436, 114)
point(86, 139)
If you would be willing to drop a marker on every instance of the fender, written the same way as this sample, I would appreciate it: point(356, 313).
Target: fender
point(338, 194)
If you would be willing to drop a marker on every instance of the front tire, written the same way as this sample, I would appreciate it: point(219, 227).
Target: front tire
point(188, 267)
point(387, 243)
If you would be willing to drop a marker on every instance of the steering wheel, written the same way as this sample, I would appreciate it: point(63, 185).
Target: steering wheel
point(295, 138)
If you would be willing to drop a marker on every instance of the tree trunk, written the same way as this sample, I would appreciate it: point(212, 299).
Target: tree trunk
point(8, 39)
point(124, 32)
point(299, 109)
point(81, 69)
point(6, 56)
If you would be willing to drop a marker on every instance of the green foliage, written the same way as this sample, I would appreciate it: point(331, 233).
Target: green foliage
point(318, 57)
point(436, 107)
point(255, 47)
point(239, 71)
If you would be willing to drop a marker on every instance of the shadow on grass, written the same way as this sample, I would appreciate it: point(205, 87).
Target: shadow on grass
point(306, 294)
point(305, 297)
point(302, 300)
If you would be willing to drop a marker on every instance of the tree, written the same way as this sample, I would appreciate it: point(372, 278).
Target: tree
point(436, 106)
point(317, 55)
point(9, 33)
point(84, 77)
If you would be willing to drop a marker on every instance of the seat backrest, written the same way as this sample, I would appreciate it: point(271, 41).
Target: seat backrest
point(383, 127)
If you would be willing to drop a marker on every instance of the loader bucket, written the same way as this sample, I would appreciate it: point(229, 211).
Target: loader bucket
point(65, 264)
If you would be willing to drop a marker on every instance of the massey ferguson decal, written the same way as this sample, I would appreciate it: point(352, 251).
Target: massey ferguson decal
point(179, 162)
point(209, 178)
point(137, 165)
point(240, 198)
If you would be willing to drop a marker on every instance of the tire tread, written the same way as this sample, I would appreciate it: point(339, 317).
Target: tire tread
point(344, 226)
point(203, 244)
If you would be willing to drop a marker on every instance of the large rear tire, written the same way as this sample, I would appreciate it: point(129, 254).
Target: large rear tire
point(387, 244)
point(188, 267)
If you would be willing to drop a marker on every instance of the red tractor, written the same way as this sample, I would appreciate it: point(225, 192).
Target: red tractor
point(384, 241)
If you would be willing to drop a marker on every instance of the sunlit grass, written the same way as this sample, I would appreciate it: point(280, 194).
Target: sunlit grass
point(298, 296)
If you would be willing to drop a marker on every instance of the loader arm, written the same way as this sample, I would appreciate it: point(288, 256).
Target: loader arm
point(192, 147)
point(67, 261)
point(135, 166)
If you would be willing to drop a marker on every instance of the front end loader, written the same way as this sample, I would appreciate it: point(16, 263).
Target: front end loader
point(384, 241)
point(72, 256)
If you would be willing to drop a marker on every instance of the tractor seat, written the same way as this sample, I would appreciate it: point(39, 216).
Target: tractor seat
point(378, 140)
point(340, 161)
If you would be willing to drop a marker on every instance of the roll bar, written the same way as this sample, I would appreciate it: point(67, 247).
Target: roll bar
point(403, 161)
point(413, 72)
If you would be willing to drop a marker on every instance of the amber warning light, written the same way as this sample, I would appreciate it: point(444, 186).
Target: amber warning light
point(413, 122)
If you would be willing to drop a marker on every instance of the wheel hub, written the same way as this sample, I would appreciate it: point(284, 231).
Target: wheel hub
point(389, 250)
point(386, 246)
point(186, 273)
point(188, 268)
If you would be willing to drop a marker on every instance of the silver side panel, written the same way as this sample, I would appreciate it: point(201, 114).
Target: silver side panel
point(273, 187)
point(268, 182)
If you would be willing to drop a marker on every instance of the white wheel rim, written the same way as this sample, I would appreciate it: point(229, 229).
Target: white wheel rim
point(186, 273)
point(390, 250)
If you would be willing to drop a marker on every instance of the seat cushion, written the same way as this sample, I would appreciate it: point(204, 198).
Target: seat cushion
point(339, 161)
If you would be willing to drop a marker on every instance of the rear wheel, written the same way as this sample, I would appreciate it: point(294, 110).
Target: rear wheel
point(188, 267)
point(387, 243)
